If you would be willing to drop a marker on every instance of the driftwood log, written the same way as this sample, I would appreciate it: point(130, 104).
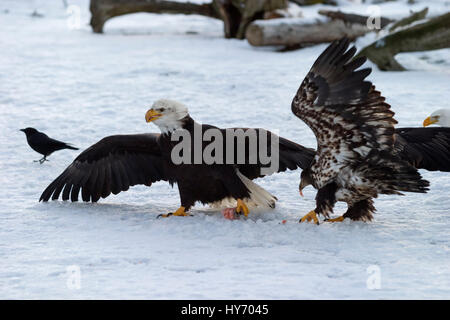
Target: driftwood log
point(312, 2)
point(415, 16)
point(102, 10)
point(352, 18)
point(431, 35)
point(294, 32)
point(236, 14)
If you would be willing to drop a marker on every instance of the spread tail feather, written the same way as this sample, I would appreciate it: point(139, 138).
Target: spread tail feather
point(393, 175)
point(258, 196)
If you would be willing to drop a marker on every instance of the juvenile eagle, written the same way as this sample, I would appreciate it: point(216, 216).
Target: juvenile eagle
point(354, 127)
point(117, 162)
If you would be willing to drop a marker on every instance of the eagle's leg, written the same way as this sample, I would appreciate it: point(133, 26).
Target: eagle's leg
point(310, 216)
point(242, 208)
point(359, 211)
point(325, 200)
point(338, 219)
point(180, 212)
point(233, 213)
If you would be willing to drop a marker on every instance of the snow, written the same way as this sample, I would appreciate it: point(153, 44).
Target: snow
point(79, 87)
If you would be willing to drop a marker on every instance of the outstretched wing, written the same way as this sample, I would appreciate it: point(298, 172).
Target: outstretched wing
point(110, 166)
point(287, 155)
point(347, 115)
point(257, 152)
point(424, 148)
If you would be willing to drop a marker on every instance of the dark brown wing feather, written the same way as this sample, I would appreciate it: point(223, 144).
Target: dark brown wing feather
point(289, 155)
point(110, 166)
point(335, 94)
point(424, 148)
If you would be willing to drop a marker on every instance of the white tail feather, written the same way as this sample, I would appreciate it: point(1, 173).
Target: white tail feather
point(259, 198)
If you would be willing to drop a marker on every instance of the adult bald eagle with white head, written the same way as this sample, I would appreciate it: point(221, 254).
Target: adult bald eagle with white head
point(439, 117)
point(117, 162)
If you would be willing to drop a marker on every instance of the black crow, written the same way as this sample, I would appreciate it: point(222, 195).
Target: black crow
point(40, 142)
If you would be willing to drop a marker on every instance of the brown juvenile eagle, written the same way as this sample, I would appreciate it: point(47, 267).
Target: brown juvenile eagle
point(117, 162)
point(356, 157)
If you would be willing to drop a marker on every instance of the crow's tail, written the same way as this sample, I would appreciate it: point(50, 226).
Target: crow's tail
point(67, 146)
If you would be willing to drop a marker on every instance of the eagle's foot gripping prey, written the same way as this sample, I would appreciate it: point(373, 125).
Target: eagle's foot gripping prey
point(234, 213)
point(338, 219)
point(242, 208)
point(179, 213)
point(310, 216)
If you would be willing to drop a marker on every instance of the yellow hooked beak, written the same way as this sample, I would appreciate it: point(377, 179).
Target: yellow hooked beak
point(152, 115)
point(429, 120)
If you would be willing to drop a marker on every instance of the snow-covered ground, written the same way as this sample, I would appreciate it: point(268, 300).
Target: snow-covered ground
point(79, 87)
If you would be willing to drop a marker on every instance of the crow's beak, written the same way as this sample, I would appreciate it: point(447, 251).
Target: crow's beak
point(23, 130)
point(152, 115)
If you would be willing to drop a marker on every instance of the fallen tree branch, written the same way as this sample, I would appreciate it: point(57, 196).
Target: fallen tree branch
point(102, 10)
point(312, 2)
point(236, 14)
point(408, 20)
point(246, 11)
point(294, 32)
point(352, 18)
point(430, 35)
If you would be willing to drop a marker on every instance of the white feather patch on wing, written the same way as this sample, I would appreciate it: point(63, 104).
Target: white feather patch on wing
point(259, 197)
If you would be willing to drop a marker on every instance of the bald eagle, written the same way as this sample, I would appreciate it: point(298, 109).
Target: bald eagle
point(440, 117)
point(356, 157)
point(117, 162)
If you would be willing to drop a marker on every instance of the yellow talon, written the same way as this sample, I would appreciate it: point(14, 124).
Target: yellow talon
point(180, 213)
point(242, 208)
point(338, 219)
point(310, 216)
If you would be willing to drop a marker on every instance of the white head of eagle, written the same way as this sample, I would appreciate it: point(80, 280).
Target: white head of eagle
point(167, 114)
point(440, 117)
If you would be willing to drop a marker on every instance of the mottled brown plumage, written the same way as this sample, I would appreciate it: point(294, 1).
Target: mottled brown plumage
point(354, 127)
